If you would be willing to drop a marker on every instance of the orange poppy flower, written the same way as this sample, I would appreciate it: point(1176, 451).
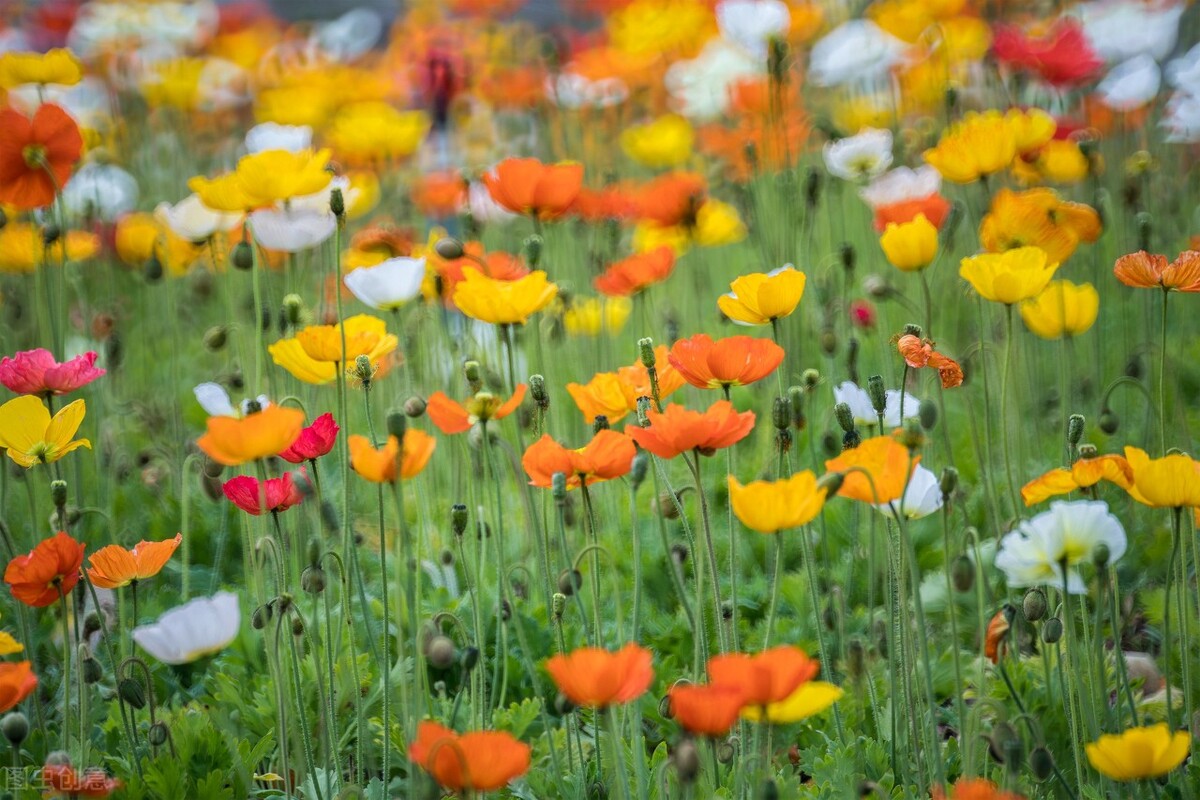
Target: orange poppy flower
point(36, 155)
point(607, 203)
point(496, 264)
point(17, 681)
point(615, 394)
point(679, 430)
point(885, 460)
point(706, 710)
point(1083, 473)
point(452, 417)
point(593, 677)
point(920, 353)
point(767, 677)
point(631, 275)
point(935, 208)
point(113, 566)
point(47, 572)
point(1037, 218)
point(393, 460)
point(994, 640)
point(527, 186)
point(439, 194)
point(233, 441)
point(1143, 270)
point(481, 761)
point(732, 361)
point(608, 455)
point(974, 789)
point(671, 199)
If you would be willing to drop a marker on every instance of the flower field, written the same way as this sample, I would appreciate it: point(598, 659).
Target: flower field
point(683, 399)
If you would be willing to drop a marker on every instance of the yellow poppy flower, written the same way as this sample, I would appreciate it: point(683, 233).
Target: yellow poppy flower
point(1169, 482)
point(979, 145)
point(810, 699)
point(174, 83)
point(59, 66)
point(1139, 753)
point(1062, 309)
point(718, 223)
point(22, 248)
point(278, 175)
point(32, 436)
point(761, 298)
point(1009, 277)
point(225, 193)
point(910, 246)
point(363, 334)
point(1061, 161)
point(9, 645)
point(592, 316)
point(374, 131)
point(965, 39)
point(365, 191)
point(665, 142)
point(300, 104)
point(233, 441)
point(1031, 129)
point(502, 302)
point(656, 27)
point(1038, 218)
point(773, 506)
point(288, 353)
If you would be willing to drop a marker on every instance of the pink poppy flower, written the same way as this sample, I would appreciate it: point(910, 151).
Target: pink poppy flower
point(245, 493)
point(313, 442)
point(36, 372)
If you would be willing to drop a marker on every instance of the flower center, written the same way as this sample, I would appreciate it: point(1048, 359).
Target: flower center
point(34, 155)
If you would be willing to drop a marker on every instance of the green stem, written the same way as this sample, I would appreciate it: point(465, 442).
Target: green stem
point(710, 554)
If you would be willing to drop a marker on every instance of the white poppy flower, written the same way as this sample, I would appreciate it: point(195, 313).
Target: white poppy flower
point(273, 136)
point(1182, 118)
point(388, 285)
point(192, 220)
point(864, 412)
point(100, 190)
point(350, 35)
point(213, 398)
point(293, 229)
point(483, 207)
point(700, 87)
point(865, 155)
point(1184, 72)
point(858, 50)
point(1070, 532)
point(1131, 84)
point(901, 185)
point(1120, 30)
point(198, 628)
point(752, 23)
point(222, 85)
point(922, 496)
point(117, 27)
point(318, 202)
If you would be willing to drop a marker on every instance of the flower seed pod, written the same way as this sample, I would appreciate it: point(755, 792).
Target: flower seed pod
point(312, 580)
point(458, 518)
point(646, 352)
point(1041, 762)
point(927, 413)
point(449, 248)
point(440, 652)
point(216, 337)
point(558, 604)
point(130, 690)
point(1034, 605)
point(1052, 630)
point(877, 393)
point(686, 760)
point(1075, 428)
point(242, 256)
point(781, 413)
point(297, 627)
point(397, 424)
point(569, 581)
point(643, 412)
point(962, 574)
point(599, 423)
point(15, 727)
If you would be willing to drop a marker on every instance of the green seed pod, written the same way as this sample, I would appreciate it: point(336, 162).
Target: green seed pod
point(1101, 556)
point(1052, 630)
point(558, 487)
point(1075, 428)
point(130, 690)
point(558, 604)
point(1034, 605)
point(877, 393)
point(962, 574)
point(927, 413)
point(15, 727)
point(844, 416)
point(242, 256)
point(458, 518)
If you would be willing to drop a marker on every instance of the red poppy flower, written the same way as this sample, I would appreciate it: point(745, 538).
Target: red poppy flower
point(527, 186)
point(632, 275)
point(862, 314)
point(974, 789)
point(313, 442)
point(935, 208)
point(481, 761)
point(1063, 56)
point(439, 194)
point(64, 780)
point(919, 353)
point(246, 493)
point(706, 710)
point(768, 677)
point(452, 417)
point(593, 677)
point(678, 430)
point(36, 155)
point(47, 572)
point(608, 455)
point(36, 372)
point(732, 361)
point(16, 682)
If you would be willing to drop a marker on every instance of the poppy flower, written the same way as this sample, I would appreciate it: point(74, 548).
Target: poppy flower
point(910, 246)
point(363, 334)
point(1143, 270)
point(919, 353)
point(48, 571)
point(762, 298)
point(976, 146)
point(773, 506)
point(495, 264)
point(598, 678)
point(451, 417)
point(502, 302)
point(678, 430)
point(713, 224)
point(995, 639)
point(62, 780)
point(664, 142)
point(974, 789)
point(1047, 549)
point(766, 677)
point(635, 273)
point(1062, 56)
point(885, 460)
point(591, 316)
point(113, 566)
point(613, 202)
point(706, 710)
point(369, 132)
point(1011, 276)
point(313, 442)
point(607, 456)
point(527, 186)
point(899, 195)
point(58, 66)
point(394, 460)
point(198, 628)
point(1139, 753)
point(32, 436)
point(732, 361)
point(36, 155)
point(23, 250)
point(36, 372)
point(1038, 218)
point(671, 200)
point(247, 493)
point(439, 194)
point(262, 179)
point(1062, 309)
point(1172, 481)
point(234, 441)
point(615, 394)
point(1083, 473)
point(480, 761)
point(17, 681)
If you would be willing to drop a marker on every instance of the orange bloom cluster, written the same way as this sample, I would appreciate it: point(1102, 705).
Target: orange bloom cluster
point(678, 430)
point(615, 394)
point(919, 353)
point(732, 361)
point(607, 456)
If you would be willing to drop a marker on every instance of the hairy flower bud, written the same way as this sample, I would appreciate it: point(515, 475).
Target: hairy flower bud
point(962, 573)
point(458, 518)
point(440, 652)
point(844, 417)
point(1075, 428)
point(242, 256)
point(15, 727)
point(686, 760)
point(1052, 630)
point(537, 391)
point(1034, 605)
point(877, 393)
point(337, 202)
point(927, 413)
point(215, 337)
point(531, 248)
point(948, 481)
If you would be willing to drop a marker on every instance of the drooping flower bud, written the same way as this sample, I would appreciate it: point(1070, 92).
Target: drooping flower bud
point(927, 413)
point(15, 727)
point(962, 574)
point(1052, 630)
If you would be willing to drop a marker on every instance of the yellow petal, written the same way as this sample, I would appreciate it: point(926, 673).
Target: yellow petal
point(23, 423)
point(66, 422)
point(9, 645)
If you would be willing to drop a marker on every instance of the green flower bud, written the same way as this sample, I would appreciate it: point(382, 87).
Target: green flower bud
point(458, 518)
point(537, 390)
point(1088, 451)
point(440, 652)
point(158, 734)
point(810, 378)
point(337, 202)
point(363, 370)
point(558, 487)
point(92, 671)
point(599, 423)
point(646, 352)
point(215, 337)
point(58, 493)
point(1052, 630)
point(844, 416)
point(242, 256)
point(781, 413)
point(397, 424)
point(1101, 556)
point(686, 760)
point(131, 691)
point(831, 482)
point(414, 407)
point(1075, 428)
point(962, 574)
point(531, 248)
point(851, 440)
point(312, 580)
point(569, 582)
point(15, 727)
point(558, 604)
point(877, 393)
point(1034, 605)
point(639, 469)
point(927, 413)
point(1041, 762)
point(449, 248)
point(948, 481)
